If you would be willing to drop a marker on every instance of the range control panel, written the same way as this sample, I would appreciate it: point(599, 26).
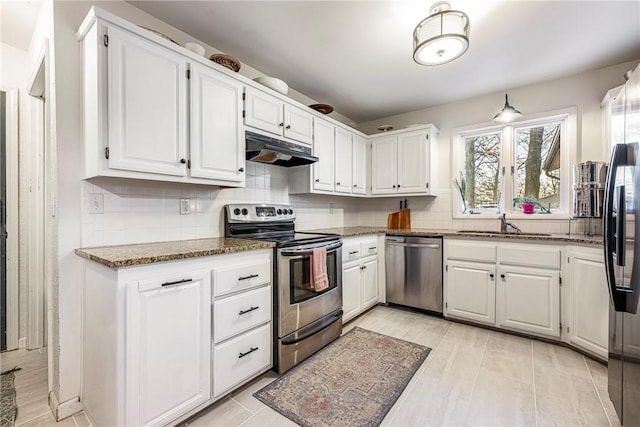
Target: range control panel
point(260, 212)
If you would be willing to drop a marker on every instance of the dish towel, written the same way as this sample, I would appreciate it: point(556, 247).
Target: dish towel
point(319, 276)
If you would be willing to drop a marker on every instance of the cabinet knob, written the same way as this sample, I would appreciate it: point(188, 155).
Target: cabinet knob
point(183, 161)
point(241, 170)
point(288, 127)
point(337, 183)
point(355, 185)
point(281, 124)
point(317, 179)
point(398, 185)
point(502, 276)
point(394, 186)
point(491, 275)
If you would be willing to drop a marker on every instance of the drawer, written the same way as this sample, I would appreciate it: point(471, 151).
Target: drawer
point(470, 250)
point(240, 358)
point(530, 255)
point(369, 247)
point(239, 313)
point(238, 277)
point(350, 251)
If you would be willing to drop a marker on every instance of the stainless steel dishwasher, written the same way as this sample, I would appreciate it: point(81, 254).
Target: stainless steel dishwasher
point(414, 271)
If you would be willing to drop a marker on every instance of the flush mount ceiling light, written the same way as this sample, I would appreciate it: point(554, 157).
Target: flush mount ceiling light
point(442, 37)
point(508, 113)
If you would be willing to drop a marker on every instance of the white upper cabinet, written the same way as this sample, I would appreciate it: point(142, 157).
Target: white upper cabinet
point(384, 165)
point(272, 115)
point(359, 176)
point(147, 92)
point(323, 149)
point(400, 161)
point(217, 134)
point(152, 111)
point(343, 161)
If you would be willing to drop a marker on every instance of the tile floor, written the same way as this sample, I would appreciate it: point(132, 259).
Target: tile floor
point(473, 377)
point(31, 384)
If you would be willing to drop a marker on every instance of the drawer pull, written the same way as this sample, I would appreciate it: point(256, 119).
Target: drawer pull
point(251, 276)
point(177, 282)
point(353, 252)
point(248, 311)
point(373, 247)
point(248, 352)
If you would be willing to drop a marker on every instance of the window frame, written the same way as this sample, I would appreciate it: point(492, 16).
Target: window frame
point(567, 117)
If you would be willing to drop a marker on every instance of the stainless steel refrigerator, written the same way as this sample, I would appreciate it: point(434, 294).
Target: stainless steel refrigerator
point(622, 255)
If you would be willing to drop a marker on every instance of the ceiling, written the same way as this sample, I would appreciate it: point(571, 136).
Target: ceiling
point(17, 21)
point(357, 55)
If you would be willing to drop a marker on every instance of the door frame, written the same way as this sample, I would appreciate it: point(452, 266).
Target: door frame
point(12, 275)
point(35, 147)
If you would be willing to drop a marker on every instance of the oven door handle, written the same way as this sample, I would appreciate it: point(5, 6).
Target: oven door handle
point(307, 331)
point(303, 252)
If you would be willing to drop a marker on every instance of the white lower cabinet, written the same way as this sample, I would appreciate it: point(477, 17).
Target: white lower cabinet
point(586, 301)
point(471, 291)
point(359, 275)
point(528, 300)
point(513, 286)
point(168, 346)
point(162, 341)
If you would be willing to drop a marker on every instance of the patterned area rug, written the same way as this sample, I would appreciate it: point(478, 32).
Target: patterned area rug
point(8, 407)
point(352, 382)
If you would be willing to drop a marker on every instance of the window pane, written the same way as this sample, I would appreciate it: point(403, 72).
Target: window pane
point(538, 164)
point(481, 174)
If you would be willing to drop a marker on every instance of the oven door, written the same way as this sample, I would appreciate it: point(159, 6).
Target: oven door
point(298, 303)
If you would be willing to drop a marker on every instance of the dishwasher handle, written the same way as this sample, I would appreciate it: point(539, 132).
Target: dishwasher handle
point(414, 245)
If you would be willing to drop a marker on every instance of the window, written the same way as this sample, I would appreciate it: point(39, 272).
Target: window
point(497, 169)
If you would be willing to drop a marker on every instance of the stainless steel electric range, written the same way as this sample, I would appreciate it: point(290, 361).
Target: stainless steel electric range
point(305, 320)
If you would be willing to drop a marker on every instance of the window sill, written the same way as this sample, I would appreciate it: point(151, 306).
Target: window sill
point(513, 216)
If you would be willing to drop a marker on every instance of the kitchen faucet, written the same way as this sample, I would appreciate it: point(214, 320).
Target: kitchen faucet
point(504, 224)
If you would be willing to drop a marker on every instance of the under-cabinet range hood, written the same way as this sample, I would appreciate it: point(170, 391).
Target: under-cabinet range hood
point(265, 149)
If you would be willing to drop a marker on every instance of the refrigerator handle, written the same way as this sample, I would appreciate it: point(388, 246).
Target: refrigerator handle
point(618, 158)
point(621, 220)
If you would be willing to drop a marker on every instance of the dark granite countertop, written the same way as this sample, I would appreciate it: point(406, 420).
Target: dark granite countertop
point(361, 231)
point(148, 253)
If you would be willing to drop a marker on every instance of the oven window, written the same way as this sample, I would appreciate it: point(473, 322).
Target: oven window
point(300, 278)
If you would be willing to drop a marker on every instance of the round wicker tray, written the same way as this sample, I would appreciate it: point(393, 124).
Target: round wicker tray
point(226, 61)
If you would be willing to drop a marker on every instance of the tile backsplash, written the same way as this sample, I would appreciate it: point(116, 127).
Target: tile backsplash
point(148, 211)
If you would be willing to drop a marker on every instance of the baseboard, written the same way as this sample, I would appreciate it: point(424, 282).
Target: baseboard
point(22, 342)
point(65, 409)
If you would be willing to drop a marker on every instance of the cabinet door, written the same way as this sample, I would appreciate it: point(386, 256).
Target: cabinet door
point(384, 165)
point(529, 300)
point(147, 106)
point(168, 347)
point(323, 149)
point(350, 291)
point(298, 124)
point(359, 151)
point(217, 134)
point(343, 161)
point(412, 162)
point(471, 292)
point(369, 283)
point(589, 304)
point(264, 111)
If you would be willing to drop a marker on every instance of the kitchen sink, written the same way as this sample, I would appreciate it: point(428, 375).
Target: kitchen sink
point(498, 233)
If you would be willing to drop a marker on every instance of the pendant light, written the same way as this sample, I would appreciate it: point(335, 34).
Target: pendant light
point(441, 37)
point(508, 113)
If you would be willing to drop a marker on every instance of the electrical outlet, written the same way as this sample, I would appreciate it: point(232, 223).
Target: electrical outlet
point(331, 208)
point(96, 203)
point(185, 207)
